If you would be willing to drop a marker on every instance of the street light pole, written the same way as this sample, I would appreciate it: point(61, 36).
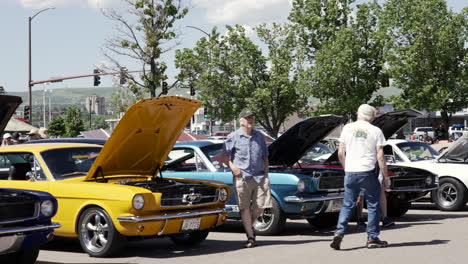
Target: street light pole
point(29, 64)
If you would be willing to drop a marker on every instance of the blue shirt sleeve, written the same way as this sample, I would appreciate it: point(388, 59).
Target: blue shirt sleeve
point(228, 145)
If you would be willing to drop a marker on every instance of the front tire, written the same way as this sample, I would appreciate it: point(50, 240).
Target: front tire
point(397, 207)
point(272, 222)
point(97, 234)
point(451, 195)
point(190, 239)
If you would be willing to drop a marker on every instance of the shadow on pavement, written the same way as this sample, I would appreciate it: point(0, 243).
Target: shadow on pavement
point(431, 206)
point(164, 248)
point(407, 244)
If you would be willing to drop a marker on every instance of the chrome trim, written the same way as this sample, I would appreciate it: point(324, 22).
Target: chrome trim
point(413, 190)
point(170, 216)
point(7, 231)
point(295, 199)
point(163, 227)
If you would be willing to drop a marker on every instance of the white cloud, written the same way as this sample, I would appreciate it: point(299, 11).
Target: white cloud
point(244, 11)
point(68, 3)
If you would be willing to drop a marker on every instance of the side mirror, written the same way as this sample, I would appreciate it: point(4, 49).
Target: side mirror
point(390, 158)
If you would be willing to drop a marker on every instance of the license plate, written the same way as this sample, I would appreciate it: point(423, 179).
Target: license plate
point(191, 224)
point(234, 208)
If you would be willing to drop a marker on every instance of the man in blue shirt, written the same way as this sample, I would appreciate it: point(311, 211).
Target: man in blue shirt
point(248, 160)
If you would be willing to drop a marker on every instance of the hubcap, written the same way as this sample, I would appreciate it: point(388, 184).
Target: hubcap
point(264, 221)
point(95, 231)
point(447, 194)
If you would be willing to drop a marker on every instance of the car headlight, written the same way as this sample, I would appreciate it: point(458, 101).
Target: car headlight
point(47, 208)
point(138, 201)
point(301, 185)
point(429, 180)
point(222, 195)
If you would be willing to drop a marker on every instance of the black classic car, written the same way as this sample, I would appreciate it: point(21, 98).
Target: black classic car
point(25, 216)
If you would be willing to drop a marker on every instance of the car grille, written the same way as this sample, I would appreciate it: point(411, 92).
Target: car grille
point(408, 183)
point(16, 206)
point(189, 195)
point(331, 181)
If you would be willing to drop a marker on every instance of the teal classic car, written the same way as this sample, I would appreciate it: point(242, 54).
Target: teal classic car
point(314, 194)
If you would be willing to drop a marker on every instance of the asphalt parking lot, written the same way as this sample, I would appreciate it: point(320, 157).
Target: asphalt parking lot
point(423, 235)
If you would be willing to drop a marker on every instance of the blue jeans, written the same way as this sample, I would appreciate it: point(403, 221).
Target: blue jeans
point(355, 182)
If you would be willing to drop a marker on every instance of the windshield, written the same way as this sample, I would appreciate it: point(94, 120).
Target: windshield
point(317, 154)
point(214, 153)
point(66, 163)
point(416, 151)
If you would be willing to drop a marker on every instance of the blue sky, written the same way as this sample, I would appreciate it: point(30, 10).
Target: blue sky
point(69, 39)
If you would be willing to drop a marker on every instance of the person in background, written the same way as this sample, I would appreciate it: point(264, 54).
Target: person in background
point(7, 139)
point(16, 138)
point(361, 146)
point(43, 133)
point(246, 154)
point(34, 134)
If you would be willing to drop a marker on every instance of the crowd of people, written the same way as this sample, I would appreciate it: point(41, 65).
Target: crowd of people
point(17, 138)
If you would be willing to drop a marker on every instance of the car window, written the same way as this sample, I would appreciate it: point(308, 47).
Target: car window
point(215, 155)
point(417, 151)
point(184, 159)
point(9, 159)
point(388, 150)
point(65, 163)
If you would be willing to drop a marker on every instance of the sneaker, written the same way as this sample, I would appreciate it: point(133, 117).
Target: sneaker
point(376, 243)
point(250, 243)
point(386, 222)
point(361, 222)
point(336, 243)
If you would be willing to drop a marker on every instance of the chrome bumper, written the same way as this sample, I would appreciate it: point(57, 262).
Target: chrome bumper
point(295, 199)
point(11, 239)
point(9, 231)
point(413, 190)
point(137, 219)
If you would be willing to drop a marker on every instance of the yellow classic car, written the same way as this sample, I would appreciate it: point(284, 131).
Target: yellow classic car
point(108, 195)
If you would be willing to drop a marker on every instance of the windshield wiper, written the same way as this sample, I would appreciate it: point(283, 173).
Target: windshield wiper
point(74, 174)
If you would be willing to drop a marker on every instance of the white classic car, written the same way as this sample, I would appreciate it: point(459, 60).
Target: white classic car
point(451, 166)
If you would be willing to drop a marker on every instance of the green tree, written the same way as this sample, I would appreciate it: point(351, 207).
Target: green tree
point(347, 54)
point(231, 73)
point(100, 122)
point(145, 36)
point(73, 122)
point(57, 127)
point(426, 52)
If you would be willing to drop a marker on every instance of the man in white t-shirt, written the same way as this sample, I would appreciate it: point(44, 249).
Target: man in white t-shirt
point(361, 146)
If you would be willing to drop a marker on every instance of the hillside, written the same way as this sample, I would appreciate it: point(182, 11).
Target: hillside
point(66, 96)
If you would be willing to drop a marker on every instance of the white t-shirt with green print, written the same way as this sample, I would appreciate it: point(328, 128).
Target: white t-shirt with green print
point(361, 140)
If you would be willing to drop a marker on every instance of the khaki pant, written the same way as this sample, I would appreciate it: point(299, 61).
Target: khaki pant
point(253, 195)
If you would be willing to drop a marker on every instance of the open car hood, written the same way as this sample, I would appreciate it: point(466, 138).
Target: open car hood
point(8, 105)
point(291, 146)
point(458, 151)
point(389, 123)
point(143, 138)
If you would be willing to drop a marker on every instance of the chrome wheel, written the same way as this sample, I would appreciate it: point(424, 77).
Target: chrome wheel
point(95, 231)
point(264, 220)
point(447, 194)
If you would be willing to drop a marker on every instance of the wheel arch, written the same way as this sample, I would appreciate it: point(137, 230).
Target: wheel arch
point(84, 208)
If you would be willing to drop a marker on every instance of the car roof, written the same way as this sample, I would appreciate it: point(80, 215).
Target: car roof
point(397, 141)
point(198, 143)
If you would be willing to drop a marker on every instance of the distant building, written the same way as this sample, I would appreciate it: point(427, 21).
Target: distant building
point(96, 104)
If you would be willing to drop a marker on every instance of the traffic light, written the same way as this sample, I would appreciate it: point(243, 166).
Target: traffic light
point(385, 82)
point(192, 91)
point(27, 112)
point(206, 113)
point(123, 75)
point(164, 88)
point(97, 78)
